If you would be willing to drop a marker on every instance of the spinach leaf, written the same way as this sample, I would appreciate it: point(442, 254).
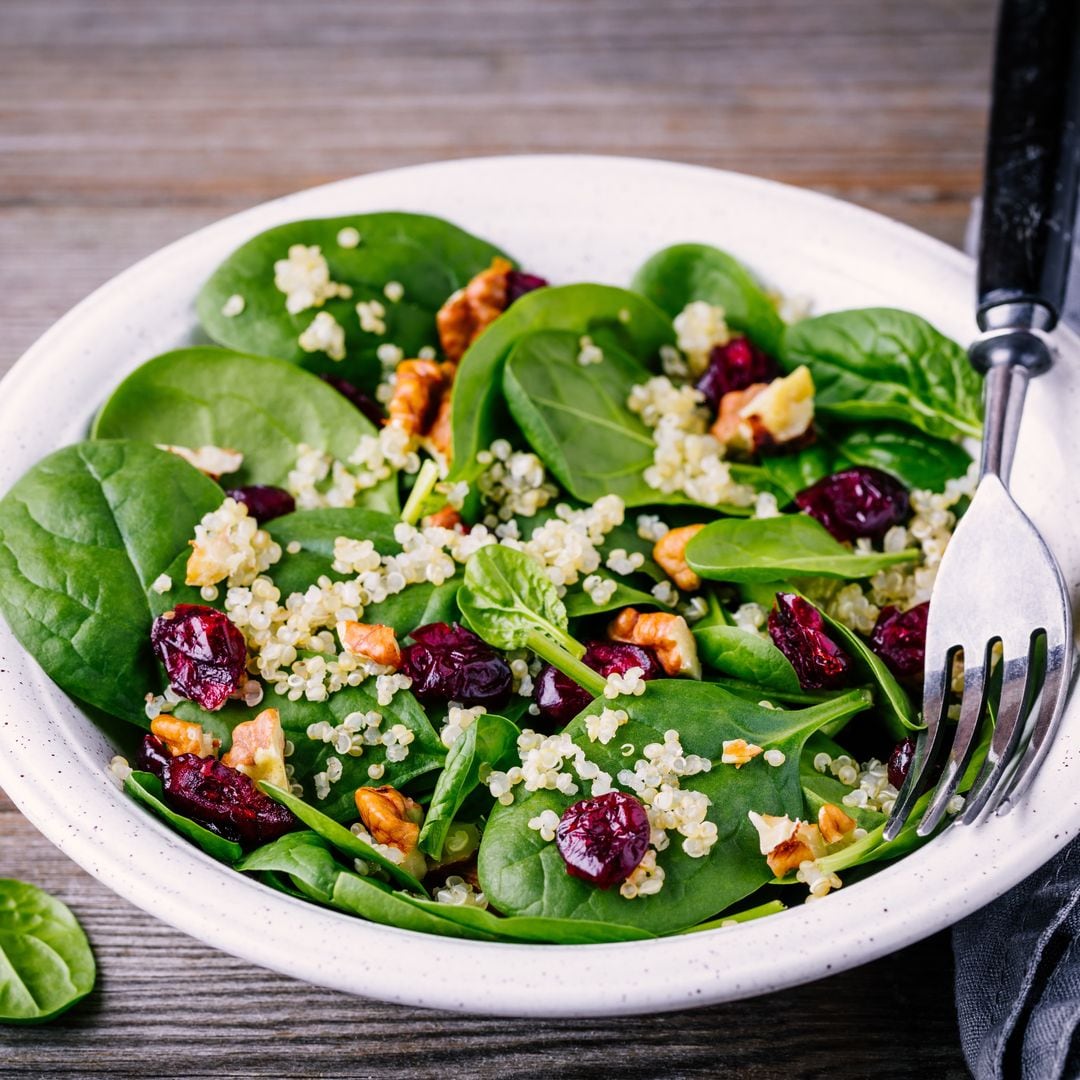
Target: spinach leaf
point(884, 364)
point(263, 407)
point(477, 410)
point(305, 857)
point(579, 603)
point(147, 789)
point(675, 276)
point(83, 535)
point(524, 875)
point(430, 258)
point(792, 473)
point(46, 965)
point(744, 655)
point(491, 740)
point(768, 549)
point(759, 911)
point(337, 836)
point(536, 928)
point(918, 459)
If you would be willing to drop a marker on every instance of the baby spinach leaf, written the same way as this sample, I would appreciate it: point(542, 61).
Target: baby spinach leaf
point(428, 257)
point(305, 857)
point(263, 407)
point(491, 740)
point(146, 788)
point(83, 535)
point(885, 364)
point(792, 473)
point(46, 965)
point(524, 875)
point(769, 549)
point(918, 459)
point(675, 276)
point(744, 655)
point(579, 603)
point(532, 927)
point(337, 836)
point(759, 911)
point(477, 408)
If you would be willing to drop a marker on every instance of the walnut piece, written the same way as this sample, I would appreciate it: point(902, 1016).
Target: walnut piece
point(471, 310)
point(834, 823)
point(738, 752)
point(393, 819)
point(371, 640)
point(667, 635)
point(184, 737)
point(670, 552)
point(418, 391)
point(446, 518)
point(258, 749)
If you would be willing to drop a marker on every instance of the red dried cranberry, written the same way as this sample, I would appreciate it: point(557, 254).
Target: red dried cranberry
point(224, 800)
point(560, 699)
point(204, 654)
point(798, 631)
point(735, 366)
point(602, 840)
point(900, 762)
point(366, 404)
point(264, 502)
point(152, 756)
point(899, 638)
point(518, 283)
point(450, 663)
point(856, 502)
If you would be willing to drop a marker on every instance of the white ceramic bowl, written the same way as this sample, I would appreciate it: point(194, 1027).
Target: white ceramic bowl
point(569, 218)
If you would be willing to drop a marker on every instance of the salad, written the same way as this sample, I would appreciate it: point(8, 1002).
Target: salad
point(477, 605)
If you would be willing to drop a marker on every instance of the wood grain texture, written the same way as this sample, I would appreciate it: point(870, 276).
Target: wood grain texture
point(125, 124)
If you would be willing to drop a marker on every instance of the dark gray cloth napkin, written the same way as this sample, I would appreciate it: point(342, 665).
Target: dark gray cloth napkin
point(1018, 959)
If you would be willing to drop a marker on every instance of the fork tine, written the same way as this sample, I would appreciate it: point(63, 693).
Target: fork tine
point(1014, 706)
point(972, 705)
point(935, 697)
point(1050, 706)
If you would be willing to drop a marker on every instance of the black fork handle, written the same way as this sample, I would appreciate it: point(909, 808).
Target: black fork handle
point(1032, 165)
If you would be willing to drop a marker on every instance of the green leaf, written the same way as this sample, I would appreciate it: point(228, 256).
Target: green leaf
point(146, 788)
point(478, 411)
point(46, 965)
point(523, 875)
point(677, 275)
point(428, 257)
point(885, 364)
point(769, 549)
point(83, 535)
point(579, 603)
point(263, 407)
point(918, 459)
point(744, 655)
point(490, 740)
point(760, 911)
point(337, 836)
point(305, 857)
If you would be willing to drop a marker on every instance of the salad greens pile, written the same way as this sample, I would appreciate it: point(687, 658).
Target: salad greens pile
point(610, 553)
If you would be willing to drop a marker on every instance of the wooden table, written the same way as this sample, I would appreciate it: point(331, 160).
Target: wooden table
point(126, 124)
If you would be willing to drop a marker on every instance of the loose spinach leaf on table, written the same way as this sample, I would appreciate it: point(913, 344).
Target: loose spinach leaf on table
point(524, 875)
point(478, 413)
point(83, 535)
point(46, 965)
point(490, 740)
point(677, 275)
point(770, 549)
point(428, 257)
point(146, 788)
point(263, 407)
point(885, 364)
point(742, 654)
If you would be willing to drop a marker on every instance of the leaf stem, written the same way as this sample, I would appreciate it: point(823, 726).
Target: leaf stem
point(565, 662)
point(426, 479)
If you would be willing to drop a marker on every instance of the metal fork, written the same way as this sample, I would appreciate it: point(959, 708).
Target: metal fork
point(998, 583)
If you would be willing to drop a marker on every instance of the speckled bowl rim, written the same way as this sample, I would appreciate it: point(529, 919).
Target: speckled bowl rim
point(565, 216)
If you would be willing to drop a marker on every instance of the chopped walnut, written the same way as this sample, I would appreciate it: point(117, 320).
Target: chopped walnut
point(728, 426)
point(440, 432)
point(786, 844)
point(446, 518)
point(766, 416)
point(418, 391)
point(393, 819)
point(738, 752)
point(834, 823)
point(670, 552)
point(787, 857)
point(371, 640)
point(472, 309)
point(667, 635)
point(258, 749)
point(215, 461)
point(184, 737)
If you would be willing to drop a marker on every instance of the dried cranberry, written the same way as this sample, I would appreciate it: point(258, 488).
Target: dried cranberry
point(798, 631)
point(518, 283)
point(264, 502)
point(900, 762)
point(735, 366)
point(450, 663)
point(224, 800)
point(602, 840)
point(856, 502)
point(204, 654)
point(152, 756)
point(560, 699)
point(366, 404)
point(899, 638)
